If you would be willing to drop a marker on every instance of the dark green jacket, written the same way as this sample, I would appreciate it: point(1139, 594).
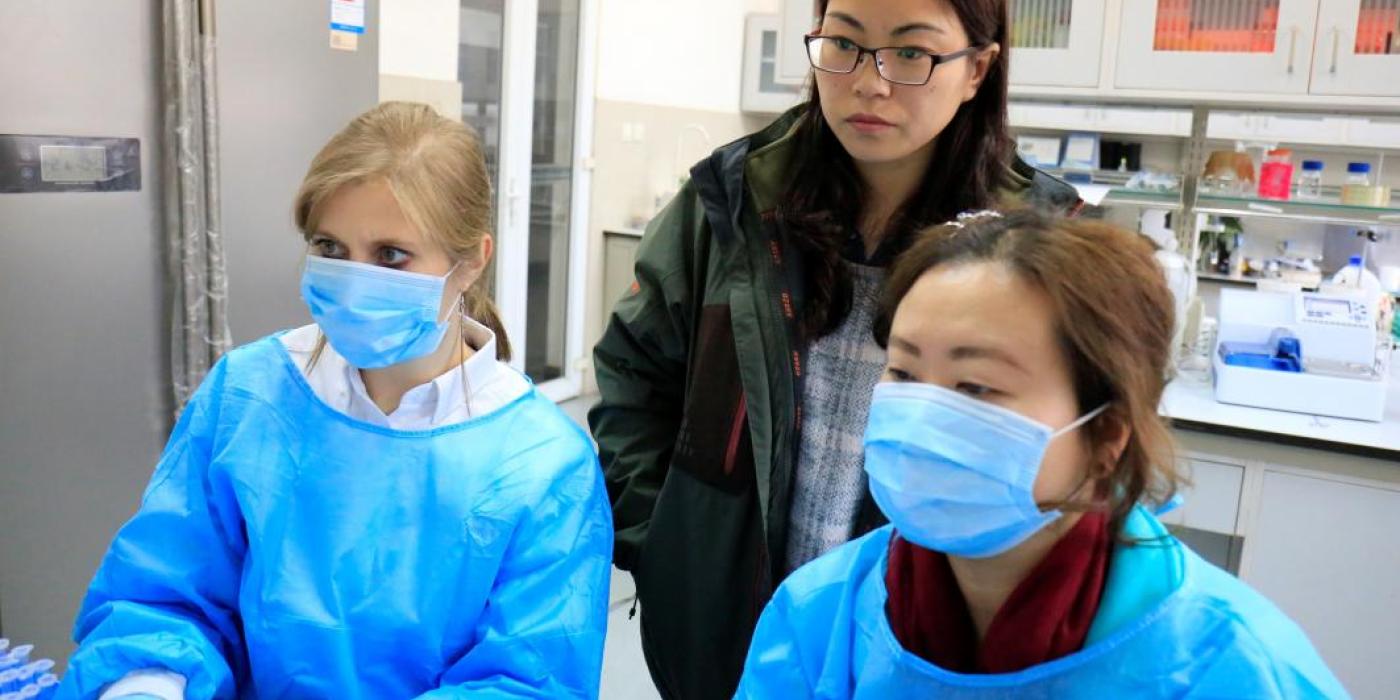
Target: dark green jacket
point(698, 369)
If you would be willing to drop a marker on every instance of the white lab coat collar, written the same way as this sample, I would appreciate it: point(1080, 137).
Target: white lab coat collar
point(442, 398)
point(490, 384)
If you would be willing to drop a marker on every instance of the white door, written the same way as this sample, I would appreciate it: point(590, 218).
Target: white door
point(1056, 42)
point(1251, 46)
point(1324, 551)
point(1358, 48)
point(527, 87)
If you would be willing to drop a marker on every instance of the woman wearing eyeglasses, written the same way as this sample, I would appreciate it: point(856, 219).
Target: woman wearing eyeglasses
point(736, 375)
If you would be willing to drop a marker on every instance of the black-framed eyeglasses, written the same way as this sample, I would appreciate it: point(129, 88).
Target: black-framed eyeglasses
point(902, 65)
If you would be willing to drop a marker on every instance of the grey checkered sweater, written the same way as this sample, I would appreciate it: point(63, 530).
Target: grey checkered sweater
point(843, 368)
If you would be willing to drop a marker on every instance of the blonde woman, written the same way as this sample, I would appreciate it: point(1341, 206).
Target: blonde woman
point(375, 505)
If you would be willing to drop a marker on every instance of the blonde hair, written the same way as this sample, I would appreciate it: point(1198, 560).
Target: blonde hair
point(437, 172)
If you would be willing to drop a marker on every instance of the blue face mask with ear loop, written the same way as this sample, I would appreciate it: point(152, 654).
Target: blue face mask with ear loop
point(954, 474)
point(375, 316)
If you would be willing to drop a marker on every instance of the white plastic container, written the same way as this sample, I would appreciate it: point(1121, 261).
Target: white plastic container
point(1357, 277)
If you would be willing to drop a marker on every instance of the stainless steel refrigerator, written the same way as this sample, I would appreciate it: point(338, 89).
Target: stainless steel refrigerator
point(85, 396)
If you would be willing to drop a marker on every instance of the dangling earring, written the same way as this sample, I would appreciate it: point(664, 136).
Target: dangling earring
point(462, 367)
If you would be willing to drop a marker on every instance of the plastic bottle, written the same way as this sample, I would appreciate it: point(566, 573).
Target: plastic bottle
point(1180, 279)
point(1310, 180)
point(1356, 276)
point(1357, 190)
point(1276, 174)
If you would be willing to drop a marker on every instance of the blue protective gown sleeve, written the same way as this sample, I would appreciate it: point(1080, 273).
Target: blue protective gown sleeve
point(785, 663)
point(779, 669)
point(166, 593)
point(541, 634)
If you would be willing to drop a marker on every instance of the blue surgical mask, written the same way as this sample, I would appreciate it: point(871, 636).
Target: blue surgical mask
point(374, 316)
point(954, 474)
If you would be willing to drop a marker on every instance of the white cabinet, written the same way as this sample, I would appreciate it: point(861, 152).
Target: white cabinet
point(1056, 42)
point(1278, 128)
point(1325, 552)
point(619, 264)
point(1154, 121)
point(799, 19)
point(1357, 48)
point(762, 92)
point(1248, 46)
point(1374, 132)
point(1212, 501)
point(1301, 129)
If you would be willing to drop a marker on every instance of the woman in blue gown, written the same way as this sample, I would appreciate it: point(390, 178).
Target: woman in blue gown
point(375, 505)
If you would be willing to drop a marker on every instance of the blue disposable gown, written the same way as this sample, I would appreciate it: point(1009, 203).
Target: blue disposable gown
point(1170, 625)
point(284, 550)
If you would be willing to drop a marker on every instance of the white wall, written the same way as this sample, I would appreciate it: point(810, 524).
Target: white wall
point(418, 52)
point(419, 38)
point(677, 53)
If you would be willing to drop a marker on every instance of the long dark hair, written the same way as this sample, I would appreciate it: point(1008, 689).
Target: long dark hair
point(826, 195)
point(1114, 317)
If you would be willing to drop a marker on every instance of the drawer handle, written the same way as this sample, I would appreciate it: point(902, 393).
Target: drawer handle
point(1336, 47)
point(1292, 48)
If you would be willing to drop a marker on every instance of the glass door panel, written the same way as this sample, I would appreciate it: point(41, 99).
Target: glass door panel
point(1216, 26)
point(479, 68)
point(1041, 24)
point(525, 89)
point(1358, 48)
point(551, 188)
point(1378, 28)
point(1056, 42)
point(1244, 46)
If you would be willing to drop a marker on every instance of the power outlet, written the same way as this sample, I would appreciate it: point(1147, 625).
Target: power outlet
point(633, 132)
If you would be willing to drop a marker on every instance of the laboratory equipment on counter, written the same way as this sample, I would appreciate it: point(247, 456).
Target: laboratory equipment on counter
point(1202, 341)
point(1155, 224)
point(1321, 354)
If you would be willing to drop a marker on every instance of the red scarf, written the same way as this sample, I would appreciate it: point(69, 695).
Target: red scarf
point(1046, 617)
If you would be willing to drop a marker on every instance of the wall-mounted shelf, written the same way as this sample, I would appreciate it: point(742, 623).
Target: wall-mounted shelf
point(1228, 279)
point(1327, 210)
point(1363, 133)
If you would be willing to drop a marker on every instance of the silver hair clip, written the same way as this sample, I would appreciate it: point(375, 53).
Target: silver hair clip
point(972, 217)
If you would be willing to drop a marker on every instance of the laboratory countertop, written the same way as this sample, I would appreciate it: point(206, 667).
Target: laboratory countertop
point(1189, 402)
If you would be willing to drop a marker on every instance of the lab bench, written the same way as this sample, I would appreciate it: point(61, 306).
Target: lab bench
point(1306, 509)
